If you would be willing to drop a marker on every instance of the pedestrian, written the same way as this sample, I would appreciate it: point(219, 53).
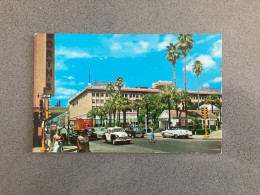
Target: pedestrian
point(64, 133)
point(57, 142)
point(83, 142)
point(151, 135)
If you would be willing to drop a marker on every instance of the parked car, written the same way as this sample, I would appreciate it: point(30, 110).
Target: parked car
point(100, 131)
point(176, 133)
point(115, 135)
point(135, 132)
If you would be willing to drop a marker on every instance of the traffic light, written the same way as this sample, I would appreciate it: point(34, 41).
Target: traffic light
point(205, 112)
point(47, 113)
point(40, 116)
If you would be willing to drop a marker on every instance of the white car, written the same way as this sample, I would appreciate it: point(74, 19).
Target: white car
point(176, 133)
point(116, 134)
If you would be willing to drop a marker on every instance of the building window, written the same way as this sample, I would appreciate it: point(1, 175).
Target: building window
point(98, 101)
point(137, 96)
point(93, 94)
point(133, 95)
point(97, 94)
point(93, 101)
point(106, 94)
point(102, 95)
point(130, 95)
point(93, 107)
point(102, 101)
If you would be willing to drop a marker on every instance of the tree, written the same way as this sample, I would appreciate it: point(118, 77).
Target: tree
point(110, 89)
point(185, 45)
point(119, 83)
point(197, 68)
point(196, 121)
point(213, 100)
point(125, 106)
point(137, 104)
point(167, 93)
point(172, 56)
point(93, 114)
point(109, 109)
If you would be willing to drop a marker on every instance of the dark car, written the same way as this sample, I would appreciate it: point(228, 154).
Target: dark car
point(135, 132)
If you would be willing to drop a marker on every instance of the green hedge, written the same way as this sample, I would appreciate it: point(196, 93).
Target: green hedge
point(200, 132)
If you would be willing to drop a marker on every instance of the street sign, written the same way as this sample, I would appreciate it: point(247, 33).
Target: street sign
point(40, 95)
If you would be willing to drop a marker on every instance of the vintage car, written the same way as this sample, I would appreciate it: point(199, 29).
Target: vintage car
point(176, 133)
point(135, 132)
point(115, 135)
point(100, 131)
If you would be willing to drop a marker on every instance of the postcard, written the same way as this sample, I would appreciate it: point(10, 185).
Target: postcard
point(127, 93)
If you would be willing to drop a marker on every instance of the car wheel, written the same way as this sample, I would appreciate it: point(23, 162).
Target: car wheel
point(175, 136)
point(163, 135)
point(142, 136)
point(114, 142)
point(129, 142)
point(105, 140)
point(133, 136)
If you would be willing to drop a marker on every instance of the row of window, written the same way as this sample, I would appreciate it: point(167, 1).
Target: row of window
point(123, 95)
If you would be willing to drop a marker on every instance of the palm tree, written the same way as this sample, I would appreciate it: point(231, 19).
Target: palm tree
point(114, 97)
point(185, 45)
point(125, 106)
point(213, 100)
point(119, 83)
point(167, 93)
point(137, 105)
point(197, 68)
point(110, 89)
point(109, 109)
point(172, 56)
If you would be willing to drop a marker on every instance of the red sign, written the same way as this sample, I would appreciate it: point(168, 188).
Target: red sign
point(103, 83)
point(209, 89)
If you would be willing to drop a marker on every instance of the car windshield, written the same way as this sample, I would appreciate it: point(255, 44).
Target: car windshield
point(136, 128)
point(177, 128)
point(100, 129)
point(118, 130)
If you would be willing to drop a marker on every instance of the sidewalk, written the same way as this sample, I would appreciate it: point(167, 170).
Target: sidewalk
point(65, 149)
point(214, 135)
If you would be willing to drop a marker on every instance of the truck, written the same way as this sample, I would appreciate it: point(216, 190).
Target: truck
point(82, 124)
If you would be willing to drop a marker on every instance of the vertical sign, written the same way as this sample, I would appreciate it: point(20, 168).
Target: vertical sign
point(50, 69)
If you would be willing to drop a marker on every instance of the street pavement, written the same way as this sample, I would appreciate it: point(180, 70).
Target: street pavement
point(161, 145)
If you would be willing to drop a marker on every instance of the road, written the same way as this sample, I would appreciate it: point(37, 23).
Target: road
point(161, 145)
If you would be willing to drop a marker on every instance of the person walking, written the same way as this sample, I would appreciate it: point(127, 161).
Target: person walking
point(57, 140)
point(151, 135)
point(64, 135)
point(83, 142)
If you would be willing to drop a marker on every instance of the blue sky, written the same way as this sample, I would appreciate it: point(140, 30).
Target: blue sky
point(138, 58)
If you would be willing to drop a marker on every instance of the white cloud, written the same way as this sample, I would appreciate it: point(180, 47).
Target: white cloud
point(115, 47)
point(65, 91)
point(81, 83)
point(206, 85)
point(72, 83)
point(217, 80)
point(70, 77)
point(69, 53)
point(217, 49)
point(206, 39)
point(59, 65)
point(206, 61)
point(167, 39)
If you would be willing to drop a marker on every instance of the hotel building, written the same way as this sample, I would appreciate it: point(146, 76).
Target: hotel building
point(96, 96)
